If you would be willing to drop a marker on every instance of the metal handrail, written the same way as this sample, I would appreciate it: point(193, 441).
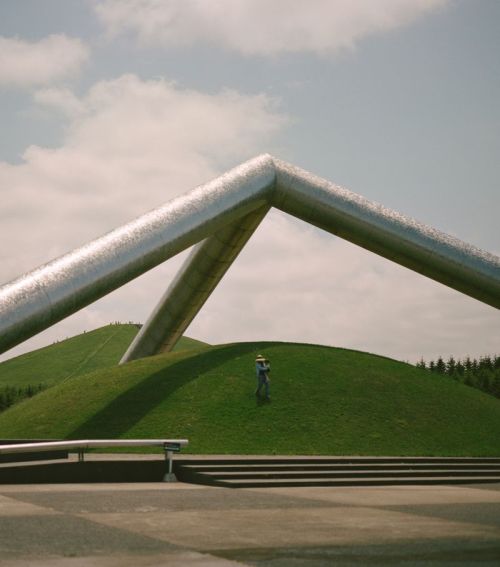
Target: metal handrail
point(170, 446)
point(84, 444)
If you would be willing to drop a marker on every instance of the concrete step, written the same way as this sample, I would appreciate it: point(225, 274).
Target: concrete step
point(367, 481)
point(253, 467)
point(337, 471)
point(279, 460)
point(285, 474)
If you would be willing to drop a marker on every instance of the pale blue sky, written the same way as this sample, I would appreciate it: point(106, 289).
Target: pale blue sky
point(409, 117)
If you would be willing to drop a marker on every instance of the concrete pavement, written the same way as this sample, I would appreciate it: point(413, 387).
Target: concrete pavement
point(108, 525)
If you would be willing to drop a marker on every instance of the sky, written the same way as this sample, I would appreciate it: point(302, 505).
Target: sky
point(110, 108)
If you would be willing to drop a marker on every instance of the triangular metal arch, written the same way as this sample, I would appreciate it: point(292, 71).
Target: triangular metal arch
point(221, 216)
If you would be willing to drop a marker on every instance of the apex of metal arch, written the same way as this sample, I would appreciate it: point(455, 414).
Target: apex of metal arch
point(220, 216)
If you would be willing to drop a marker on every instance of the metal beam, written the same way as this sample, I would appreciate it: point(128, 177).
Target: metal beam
point(37, 300)
point(43, 297)
point(388, 233)
point(193, 285)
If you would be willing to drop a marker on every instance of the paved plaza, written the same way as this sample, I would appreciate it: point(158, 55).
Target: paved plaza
point(178, 524)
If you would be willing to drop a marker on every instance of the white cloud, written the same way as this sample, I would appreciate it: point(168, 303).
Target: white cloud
point(24, 64)
point(60, 99)
point(131, 145)
point(260, 27)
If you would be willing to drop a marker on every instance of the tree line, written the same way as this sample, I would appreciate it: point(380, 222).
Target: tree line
point(10, 395)
point(482, 373)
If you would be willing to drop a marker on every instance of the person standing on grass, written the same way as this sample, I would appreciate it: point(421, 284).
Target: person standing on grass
point(262, 367)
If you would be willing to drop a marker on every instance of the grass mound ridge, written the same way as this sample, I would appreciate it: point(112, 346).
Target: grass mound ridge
point(325, 401)
point(88, 352)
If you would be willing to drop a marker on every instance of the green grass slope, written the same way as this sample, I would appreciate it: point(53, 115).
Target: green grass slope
point(324, 401)
point(78, 355)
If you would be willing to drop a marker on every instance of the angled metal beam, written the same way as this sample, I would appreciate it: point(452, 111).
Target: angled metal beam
point(192, 286)
point(406, 241)
point(50, 293)
point(338, 211)
point(43, 297)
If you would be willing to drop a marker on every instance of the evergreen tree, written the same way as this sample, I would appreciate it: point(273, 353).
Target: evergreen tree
point(440, 366)
point(483, 374)
point(421, 364)
point(470, 380)
point(486, 363)
point(496, 384)
point(482, 381)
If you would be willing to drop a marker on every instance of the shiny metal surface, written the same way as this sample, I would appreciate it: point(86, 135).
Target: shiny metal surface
point(50, 293)
point(43, 297)
point(193, 285)
point(84, 444)
point(404, 240)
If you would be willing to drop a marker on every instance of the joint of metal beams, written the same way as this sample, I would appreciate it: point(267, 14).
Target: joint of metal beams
point(193, 285)
point(41, 298)
point(221, 216)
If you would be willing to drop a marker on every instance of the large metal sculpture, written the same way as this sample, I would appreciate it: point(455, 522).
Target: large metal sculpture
point(220, 217)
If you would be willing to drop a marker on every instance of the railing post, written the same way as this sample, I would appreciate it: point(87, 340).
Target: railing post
point(170, 449)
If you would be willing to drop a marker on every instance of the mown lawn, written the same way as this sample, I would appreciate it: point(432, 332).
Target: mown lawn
point(324, 401)
point(95, 350)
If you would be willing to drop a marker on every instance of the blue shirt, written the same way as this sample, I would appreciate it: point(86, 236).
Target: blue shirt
point(262, 367)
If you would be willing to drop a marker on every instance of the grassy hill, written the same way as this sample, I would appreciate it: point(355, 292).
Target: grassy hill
point(324, 401)
point(78, 355)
